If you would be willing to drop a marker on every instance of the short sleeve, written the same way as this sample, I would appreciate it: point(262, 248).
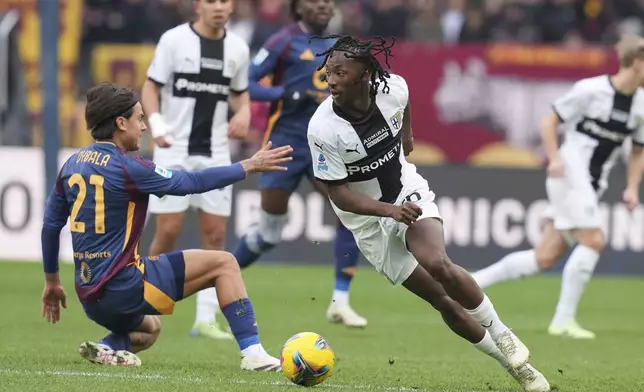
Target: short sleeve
point(570, 106)
point(328, 166)
point(160, 70)
point(399, 89)
point(239, 82)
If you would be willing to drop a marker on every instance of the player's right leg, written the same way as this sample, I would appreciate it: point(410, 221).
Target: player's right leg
point(551, 247)
point(220, 269)
point(421, 283)
point(276, 189)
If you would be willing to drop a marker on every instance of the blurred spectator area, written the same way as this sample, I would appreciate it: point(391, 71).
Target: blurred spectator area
point(114, 40)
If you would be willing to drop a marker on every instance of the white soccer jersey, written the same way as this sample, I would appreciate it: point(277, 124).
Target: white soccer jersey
point(597, 119)
point(366, 153)
point(197, 75)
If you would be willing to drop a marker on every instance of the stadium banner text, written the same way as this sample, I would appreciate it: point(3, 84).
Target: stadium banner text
point(487, 212)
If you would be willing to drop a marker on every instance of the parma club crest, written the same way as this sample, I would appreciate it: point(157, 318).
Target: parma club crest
point(396, 120)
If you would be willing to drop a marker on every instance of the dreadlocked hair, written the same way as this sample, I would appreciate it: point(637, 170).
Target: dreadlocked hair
point(293, 11)
point(365, 51)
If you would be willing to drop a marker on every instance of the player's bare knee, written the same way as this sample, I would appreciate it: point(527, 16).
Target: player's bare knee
point(215, 236)
point(223, 263)
point(438, 265)
point(169, 230)
point(592, 238)
point(546, 257)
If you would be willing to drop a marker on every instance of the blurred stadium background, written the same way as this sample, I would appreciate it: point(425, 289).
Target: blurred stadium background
point(482, 74)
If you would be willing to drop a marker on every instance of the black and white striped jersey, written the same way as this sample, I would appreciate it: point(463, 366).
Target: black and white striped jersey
point(365, 153)
point(597, 119)
point(197, 75)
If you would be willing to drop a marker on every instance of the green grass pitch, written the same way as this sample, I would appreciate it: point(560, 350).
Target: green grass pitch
point(406, 347)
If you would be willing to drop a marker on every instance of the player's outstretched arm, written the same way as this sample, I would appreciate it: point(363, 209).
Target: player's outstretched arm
point(152, 179)
point(263, 64)
point(56, 214)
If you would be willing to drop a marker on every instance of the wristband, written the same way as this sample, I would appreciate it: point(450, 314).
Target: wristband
point(157, 125)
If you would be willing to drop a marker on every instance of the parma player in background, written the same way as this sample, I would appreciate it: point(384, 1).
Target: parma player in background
point(199, 70)
point(359, 139)
point(598, 114)
point(105, 194)
point(297, 89)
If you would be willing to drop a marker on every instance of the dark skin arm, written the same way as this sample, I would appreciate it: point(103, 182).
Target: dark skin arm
point(407, 134)
point(357, 203)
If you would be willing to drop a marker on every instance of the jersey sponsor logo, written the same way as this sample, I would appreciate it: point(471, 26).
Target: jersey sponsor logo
point(215, 64)
point(307, 55)
point(212, 88)
point(397, 120)
point(595, 129)
point(260, 56)
point(377, 163)
point(162, 171)
point(322, 165)
point(377, 137)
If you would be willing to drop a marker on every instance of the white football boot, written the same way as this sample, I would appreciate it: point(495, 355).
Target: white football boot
point(261, 363)
point(571, 330)
point(514, 350)
point(345, 315)
point(103, 355)
point(530, 378)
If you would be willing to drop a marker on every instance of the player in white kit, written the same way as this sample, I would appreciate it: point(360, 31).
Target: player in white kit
point(597, 114)
point(359, 138)
point(198, 70)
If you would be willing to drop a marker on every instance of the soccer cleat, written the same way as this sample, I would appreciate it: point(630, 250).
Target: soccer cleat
point(514, 350)
point(345, 315)
point(261, 363)
point(103, 355)
point(530, 379)
point(571, 330)
point(210, 330)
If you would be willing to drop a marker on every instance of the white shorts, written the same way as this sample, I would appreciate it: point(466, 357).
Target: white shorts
point(383, 243)
point(573, 205)
point(216, 202)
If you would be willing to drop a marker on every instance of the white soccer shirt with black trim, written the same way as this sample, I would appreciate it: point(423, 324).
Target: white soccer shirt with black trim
point(597, 119)
point(365, 153)
point(197, 75)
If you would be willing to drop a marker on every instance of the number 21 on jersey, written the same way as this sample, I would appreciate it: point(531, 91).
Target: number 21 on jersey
point(99, 201)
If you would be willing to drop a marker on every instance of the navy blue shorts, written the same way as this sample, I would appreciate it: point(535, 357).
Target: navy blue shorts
point(157, 286)
point(298, 168)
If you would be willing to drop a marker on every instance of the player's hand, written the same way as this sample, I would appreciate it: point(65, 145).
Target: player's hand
point(52, 297)
point(556, 168)
point(406, 213)
point(159, 130)
point(631, 198)
point(408, 145)
point(268, 159)
point(239, 125)
point(163, 141)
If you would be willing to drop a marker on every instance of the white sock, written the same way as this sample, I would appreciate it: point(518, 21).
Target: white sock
point(489, 347)
point(512, 266)
point(577, 272)
point(340, 298)
point(485, 315)
point(207, 305)
point(253, 351)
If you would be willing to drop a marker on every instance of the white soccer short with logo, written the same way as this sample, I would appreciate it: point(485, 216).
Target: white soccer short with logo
point(383, 243)
point(216, 202)
point(573, 204)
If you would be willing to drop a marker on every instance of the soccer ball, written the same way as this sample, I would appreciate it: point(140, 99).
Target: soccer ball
point(307, 359)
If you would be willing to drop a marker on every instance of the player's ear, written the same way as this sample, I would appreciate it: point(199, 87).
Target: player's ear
point(366, 75)
point(120, 123)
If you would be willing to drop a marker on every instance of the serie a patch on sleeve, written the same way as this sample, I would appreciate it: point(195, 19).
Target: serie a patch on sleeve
point(163, 172)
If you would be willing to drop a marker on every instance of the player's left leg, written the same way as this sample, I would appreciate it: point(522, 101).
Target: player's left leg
point(216, 268)
point(424, 240)
point(346, 255)
point(551, 247)
point(214, 209)
point(576, 275)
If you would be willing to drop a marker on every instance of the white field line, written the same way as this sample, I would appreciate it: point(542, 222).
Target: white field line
point(161, 377)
